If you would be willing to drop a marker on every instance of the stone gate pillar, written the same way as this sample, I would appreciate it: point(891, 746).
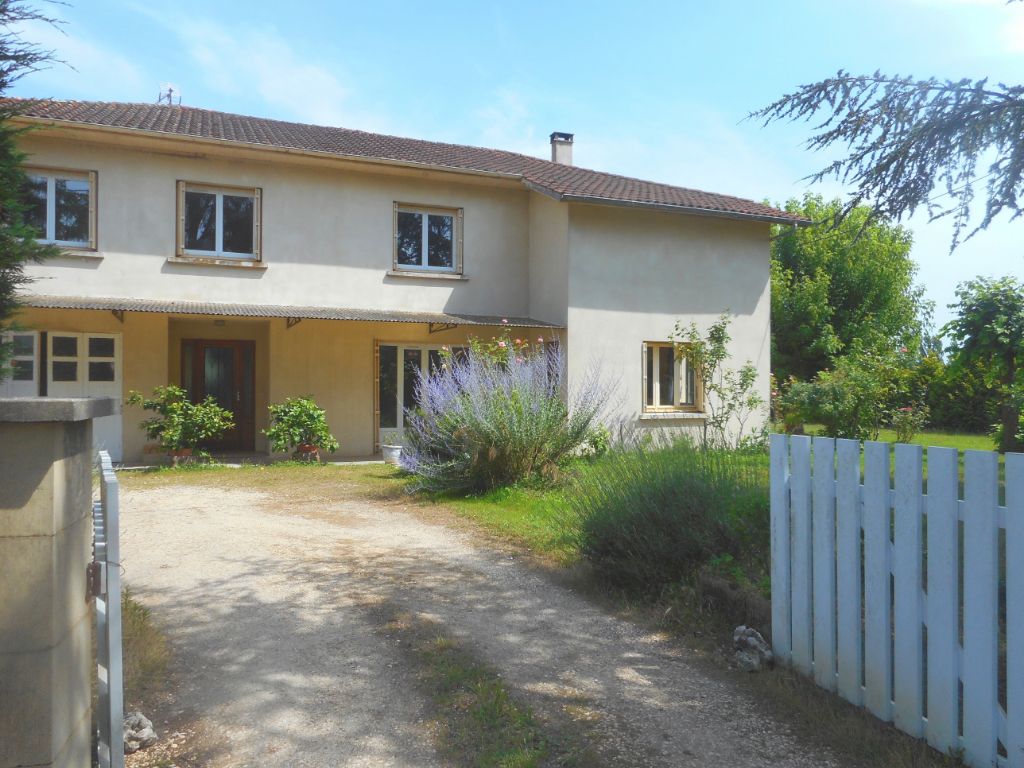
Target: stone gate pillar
point(46, 662)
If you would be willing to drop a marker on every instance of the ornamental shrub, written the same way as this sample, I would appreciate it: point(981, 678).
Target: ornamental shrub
point(854, 398)
point(650, 517)
point(496, 416)
point(299, 421)
point(179, 423)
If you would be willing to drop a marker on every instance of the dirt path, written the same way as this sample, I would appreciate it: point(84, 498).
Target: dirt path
point(274, 616)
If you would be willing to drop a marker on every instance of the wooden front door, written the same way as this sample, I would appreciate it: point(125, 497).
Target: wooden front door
point(226, 371)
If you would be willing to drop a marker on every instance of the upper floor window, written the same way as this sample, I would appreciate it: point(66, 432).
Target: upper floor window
point(61, 207)
point(218, 222)
point(670, 382)
point(428, 239)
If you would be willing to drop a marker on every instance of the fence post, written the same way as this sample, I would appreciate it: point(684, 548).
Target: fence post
point(848, 570)
point(801, 558)
point(780, 533)
point(981, 585)
point(823, 566)
point(943, 602)
point(908, 669)
point(877, 570)
point(109, 672)
point(1015, 610)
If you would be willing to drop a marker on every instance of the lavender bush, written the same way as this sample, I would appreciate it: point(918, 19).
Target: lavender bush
point(497, 416)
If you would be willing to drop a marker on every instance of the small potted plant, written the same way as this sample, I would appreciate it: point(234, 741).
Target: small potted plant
point(180, 425)
point(299, 425)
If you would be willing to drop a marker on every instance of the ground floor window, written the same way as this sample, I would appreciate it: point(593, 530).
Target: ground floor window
point(669, 381)
point(69, 364)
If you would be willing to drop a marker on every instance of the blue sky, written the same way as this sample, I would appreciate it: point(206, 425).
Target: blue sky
point(655, 90)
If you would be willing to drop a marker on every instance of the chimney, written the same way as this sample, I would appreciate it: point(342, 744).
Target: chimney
point(561, 148)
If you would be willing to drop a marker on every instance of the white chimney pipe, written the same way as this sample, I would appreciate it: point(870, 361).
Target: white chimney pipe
point(561, 148)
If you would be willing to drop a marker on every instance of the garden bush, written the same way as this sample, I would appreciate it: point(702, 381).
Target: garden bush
point(180, 424)
point(647, 518)
point(496, 416)
point(299, 421)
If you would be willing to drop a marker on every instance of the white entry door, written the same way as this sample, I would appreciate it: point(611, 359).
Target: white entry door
point(22, 377)
point(88, 365)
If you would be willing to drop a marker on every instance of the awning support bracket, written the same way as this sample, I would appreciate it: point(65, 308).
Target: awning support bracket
point(291, 322)
point(119, 314)
point(438, 327)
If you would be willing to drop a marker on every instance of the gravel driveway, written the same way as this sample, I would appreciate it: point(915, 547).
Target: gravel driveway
point(273, 614)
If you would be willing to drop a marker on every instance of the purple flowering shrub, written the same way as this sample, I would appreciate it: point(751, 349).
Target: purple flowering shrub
point(496, 416)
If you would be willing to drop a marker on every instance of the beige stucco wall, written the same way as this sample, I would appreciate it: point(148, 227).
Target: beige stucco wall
point(327, 233)
point(549, 259)
point(615, 276)
point(633, 274)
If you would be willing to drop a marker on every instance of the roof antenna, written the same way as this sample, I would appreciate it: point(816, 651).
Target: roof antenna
point(167, 95)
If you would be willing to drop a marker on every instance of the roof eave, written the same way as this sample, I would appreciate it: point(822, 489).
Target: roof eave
point(182, 137)
point(690, 210)
point(271, 311)
point(687, 209)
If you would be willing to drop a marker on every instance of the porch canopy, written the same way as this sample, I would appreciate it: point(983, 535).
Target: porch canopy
point(292, 314)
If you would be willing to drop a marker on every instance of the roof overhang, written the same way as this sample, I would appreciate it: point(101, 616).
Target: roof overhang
point(368, 161)
point(32, 121)
point(175, 307)
point(792, 221)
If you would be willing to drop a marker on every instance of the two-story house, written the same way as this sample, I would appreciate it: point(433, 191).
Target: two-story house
point(254, 259)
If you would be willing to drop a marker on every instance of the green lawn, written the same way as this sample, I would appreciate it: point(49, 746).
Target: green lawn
point(962, 440)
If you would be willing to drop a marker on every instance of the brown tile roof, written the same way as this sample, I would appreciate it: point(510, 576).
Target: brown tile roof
point(560, 181)
point(175, 307)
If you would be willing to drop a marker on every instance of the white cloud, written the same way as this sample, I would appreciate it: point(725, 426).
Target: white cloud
point(254, 61)
point(87, 63)
point(506, 123)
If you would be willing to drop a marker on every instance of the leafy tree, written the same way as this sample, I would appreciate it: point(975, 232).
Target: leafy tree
point(907, 137)
point(988, 331)
point(853, 284)
point(18, 244)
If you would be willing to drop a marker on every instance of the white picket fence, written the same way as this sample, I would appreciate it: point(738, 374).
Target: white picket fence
point(890, 595)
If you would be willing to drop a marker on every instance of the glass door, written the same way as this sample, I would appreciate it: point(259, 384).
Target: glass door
point(397, 373)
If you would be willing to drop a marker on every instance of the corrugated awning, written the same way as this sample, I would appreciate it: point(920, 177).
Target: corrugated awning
point(175, 307)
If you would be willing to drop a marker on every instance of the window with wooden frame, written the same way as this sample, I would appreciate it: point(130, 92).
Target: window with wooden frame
point(427, 239)
point(218, 222)
point(61, 206)
point(669, 381)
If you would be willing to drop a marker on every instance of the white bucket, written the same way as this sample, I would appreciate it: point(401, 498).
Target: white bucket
point(392, 453)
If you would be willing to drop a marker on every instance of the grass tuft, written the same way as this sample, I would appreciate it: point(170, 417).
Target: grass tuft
point(145, 655)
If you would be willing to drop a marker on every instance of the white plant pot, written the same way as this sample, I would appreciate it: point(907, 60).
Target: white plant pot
point(392, 453)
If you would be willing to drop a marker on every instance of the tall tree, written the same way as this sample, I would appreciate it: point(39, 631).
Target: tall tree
point(988, 331)
point(913, 143)
point(18, 244)
point(834, 288)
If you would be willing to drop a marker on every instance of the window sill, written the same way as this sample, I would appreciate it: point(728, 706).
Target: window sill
point(424, 275)
point(202, 261)
point(83, 254)
point(673, 415)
